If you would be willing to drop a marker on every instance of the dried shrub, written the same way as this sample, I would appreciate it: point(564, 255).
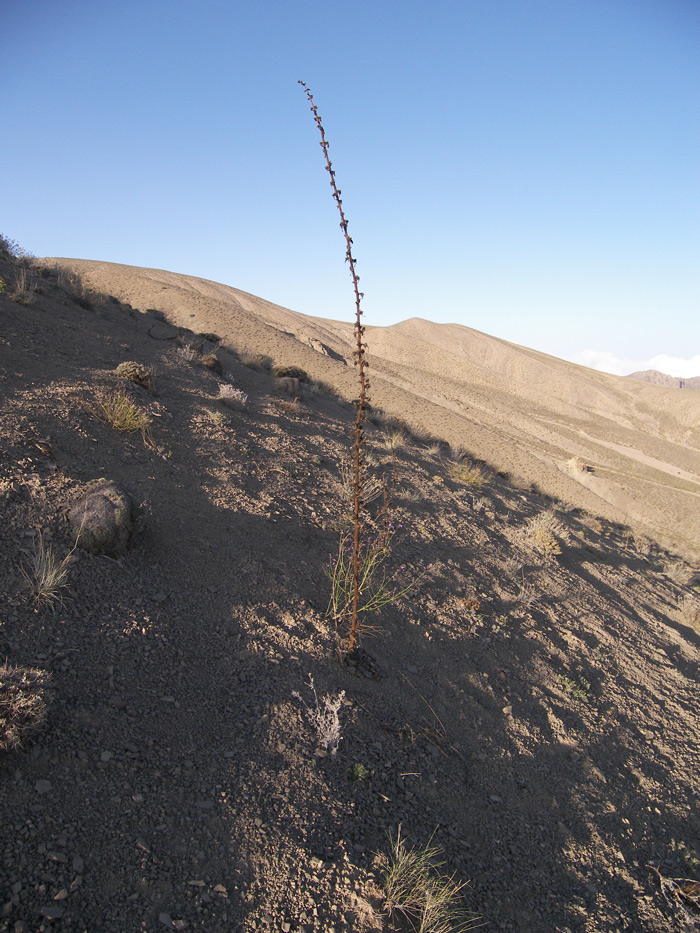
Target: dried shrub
point(232, 397)
point(689, 612)
point(22, 703)
point(543, 533)
point(324, 717)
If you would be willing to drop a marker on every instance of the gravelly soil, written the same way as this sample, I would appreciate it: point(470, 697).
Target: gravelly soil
point(536, 717)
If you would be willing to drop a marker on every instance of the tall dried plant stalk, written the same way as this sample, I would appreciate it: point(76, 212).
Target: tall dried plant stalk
point(358, 445)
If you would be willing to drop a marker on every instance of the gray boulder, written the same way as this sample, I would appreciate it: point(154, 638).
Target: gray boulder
point(104, 518)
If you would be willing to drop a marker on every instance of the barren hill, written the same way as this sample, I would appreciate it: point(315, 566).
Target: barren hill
point(619, 448)
point(662, 379)
point(530, 706)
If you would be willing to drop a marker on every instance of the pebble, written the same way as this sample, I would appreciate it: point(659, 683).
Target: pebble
point(42, 787)
point(165, 919)
point(78, 865)
point(54, 912)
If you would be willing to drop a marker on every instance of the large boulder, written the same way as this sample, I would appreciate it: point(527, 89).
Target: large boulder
point(104, 518)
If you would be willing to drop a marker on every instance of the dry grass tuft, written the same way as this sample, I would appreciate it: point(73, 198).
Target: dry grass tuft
point(471, 474)
point(117, 409)
point(425, 900)
point(679, 573)
point(47, 576)
point(22, 703)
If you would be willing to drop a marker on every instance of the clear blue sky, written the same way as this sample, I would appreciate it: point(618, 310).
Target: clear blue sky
point(530, 168)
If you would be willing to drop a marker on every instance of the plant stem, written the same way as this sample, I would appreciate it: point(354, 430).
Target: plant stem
point(361, 363)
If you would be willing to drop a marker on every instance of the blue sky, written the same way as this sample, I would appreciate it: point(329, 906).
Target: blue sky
point(530, 168)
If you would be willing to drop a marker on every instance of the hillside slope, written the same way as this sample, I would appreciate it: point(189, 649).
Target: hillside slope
point(531, 705)
point(530, 415)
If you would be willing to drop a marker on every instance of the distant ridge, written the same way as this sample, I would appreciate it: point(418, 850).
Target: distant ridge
point(661, 379)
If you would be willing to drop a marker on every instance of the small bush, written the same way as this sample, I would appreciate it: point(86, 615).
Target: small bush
point(136, 372)
point(358, 772)
point(232, 397)
point(293, 372)
point(22, 703)
point(542, 534)
point(118, 410)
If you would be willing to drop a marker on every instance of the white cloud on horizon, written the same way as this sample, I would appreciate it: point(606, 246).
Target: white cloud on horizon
point(622, 366)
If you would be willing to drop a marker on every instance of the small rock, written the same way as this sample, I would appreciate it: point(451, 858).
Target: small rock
point(220, 889)
point(117, 702)
point(42, 787)
point(494, 798)
point(54, 912)
point(106, 756)
point(62, 895)
point(165, 919)
point(78, 865)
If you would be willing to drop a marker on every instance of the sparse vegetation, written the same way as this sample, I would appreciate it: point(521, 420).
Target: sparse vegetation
point(418, 893)
point(358, 772)
point(22, 703)
point(576, 687)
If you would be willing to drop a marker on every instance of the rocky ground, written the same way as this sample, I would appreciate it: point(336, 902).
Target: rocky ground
point(531, 705)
